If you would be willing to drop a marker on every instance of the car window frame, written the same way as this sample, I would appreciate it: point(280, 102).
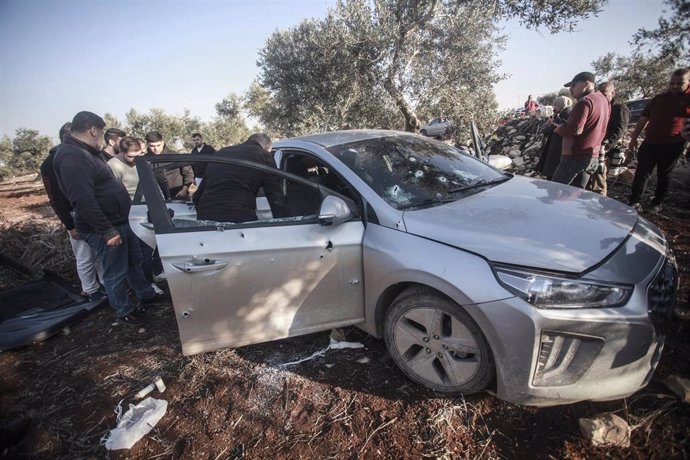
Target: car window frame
point(161, 219)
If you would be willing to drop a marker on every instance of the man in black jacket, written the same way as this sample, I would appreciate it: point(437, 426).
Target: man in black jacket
point(101, 205)
point(228, 192)
point(88, 270)
point(200, 148)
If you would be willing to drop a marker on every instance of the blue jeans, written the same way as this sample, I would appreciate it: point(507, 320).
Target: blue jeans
point(121, 266)
point(575, 171)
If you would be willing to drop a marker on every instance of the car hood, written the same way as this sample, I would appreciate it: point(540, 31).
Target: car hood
point(529, 222)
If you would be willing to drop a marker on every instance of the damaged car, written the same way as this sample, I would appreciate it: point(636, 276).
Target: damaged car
point(475, 278)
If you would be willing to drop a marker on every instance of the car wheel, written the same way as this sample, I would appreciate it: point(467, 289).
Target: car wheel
point(437, 344)
point(423, 132)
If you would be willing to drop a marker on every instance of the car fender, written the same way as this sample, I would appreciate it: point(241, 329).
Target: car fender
point(394, 260)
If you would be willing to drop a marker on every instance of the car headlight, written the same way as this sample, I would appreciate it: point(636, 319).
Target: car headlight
point(544, 291)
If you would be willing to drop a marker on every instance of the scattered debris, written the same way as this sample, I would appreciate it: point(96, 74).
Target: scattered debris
point(145, 391)
point(135, 424)
point(338, 335)
point(336, 345)
point(606, 430)
point(160, 385)
point(363, 360)
point(679, 386)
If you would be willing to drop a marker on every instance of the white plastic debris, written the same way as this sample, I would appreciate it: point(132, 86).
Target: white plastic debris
point(144, 391)
point(160, 385)
point(337, 345)
point(363, 360)
point(136, 423)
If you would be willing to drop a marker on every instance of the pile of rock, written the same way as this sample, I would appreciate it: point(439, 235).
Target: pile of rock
point(521, 140)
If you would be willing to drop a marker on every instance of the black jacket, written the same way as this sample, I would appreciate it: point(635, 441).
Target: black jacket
point(228, 192)
point(200, 168)
point(618, 124)
point(58, 200)
point(551, 152)
point(100, 201)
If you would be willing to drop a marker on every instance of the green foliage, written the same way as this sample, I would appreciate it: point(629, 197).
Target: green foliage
point(24, 153)
point(548, 98)
point(635, 76)
point(171, 127)
point(394, 64)
point(672, 38)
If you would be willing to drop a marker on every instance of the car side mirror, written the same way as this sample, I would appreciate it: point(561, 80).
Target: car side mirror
point(334, 211)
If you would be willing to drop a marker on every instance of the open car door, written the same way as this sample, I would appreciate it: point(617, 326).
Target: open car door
point(238, 284)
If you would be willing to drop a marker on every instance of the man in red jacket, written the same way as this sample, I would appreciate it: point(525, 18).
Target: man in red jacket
point(583, 133)
point(662, 120)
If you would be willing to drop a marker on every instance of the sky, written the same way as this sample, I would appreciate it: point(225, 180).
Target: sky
point(58, 57)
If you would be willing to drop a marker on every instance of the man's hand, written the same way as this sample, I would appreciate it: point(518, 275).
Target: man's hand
point(74, 234)
point(114, 241)
point(633, 143)
point(183, 194)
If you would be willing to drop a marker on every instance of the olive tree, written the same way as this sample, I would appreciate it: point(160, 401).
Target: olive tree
point(635, 76)
point(393, 63)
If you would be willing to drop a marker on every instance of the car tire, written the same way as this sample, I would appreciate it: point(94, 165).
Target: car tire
point(423, 132)
point(437, 344)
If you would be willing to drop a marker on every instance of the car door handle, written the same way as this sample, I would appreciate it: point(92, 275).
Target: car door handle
point(204, 265)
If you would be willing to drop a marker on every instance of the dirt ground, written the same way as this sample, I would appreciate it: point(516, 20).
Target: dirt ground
point(256, 402)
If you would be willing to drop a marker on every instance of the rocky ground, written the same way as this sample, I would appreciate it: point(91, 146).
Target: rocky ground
point(260, 402)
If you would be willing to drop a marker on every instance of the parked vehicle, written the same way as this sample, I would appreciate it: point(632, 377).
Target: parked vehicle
point(473, 277)
point(437, 127)
point(636, 107)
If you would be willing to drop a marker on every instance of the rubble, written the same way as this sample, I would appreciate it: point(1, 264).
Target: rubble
point(606, 430)
point(520, 139)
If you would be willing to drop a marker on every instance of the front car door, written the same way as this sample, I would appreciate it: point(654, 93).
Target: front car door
point(237, 284)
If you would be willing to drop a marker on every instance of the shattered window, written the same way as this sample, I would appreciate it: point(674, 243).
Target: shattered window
point(409, 171)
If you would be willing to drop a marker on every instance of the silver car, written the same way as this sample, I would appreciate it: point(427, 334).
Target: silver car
point(473, 277)
point(437, 127)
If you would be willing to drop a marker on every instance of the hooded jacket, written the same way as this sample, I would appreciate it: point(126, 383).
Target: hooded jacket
point(99, 200)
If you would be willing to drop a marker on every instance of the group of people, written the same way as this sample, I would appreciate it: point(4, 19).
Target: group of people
point(91, 179)
point(583, 133)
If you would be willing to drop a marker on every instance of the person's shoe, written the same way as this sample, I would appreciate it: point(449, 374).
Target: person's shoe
point(132, 319)
point(98, 295)
point(655, 208)
point(157, 289)
point(156, 298)
point(160, 277)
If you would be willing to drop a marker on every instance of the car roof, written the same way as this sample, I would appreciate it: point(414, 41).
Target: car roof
point(332, 138)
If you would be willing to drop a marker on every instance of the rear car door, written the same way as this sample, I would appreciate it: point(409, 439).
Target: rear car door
point(238, 284)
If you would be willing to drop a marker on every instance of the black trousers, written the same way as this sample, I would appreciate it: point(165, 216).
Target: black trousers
point(663, 157)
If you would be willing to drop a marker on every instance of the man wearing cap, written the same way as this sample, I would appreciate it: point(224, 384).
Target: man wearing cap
point(112, 138)
point(662, 120)
point(583, 133)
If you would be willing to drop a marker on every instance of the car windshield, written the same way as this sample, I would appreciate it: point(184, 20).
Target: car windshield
point(408, 171)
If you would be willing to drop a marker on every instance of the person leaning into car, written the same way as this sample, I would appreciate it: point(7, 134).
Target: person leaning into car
point(228, 192)
point(662, 120)
point(101, 215)
point(174, 183)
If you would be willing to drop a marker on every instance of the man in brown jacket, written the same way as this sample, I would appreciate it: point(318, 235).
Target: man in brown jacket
point(173, 182)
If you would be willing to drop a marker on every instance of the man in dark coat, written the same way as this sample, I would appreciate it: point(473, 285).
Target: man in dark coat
point(200, 148)
point(228, 192)
point(101, 206)
point(88, 270)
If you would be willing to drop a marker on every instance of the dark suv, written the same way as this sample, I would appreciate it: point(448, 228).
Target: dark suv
point(636, 107)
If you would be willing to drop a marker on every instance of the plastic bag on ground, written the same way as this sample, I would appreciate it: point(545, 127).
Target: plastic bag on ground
point(136, 423)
